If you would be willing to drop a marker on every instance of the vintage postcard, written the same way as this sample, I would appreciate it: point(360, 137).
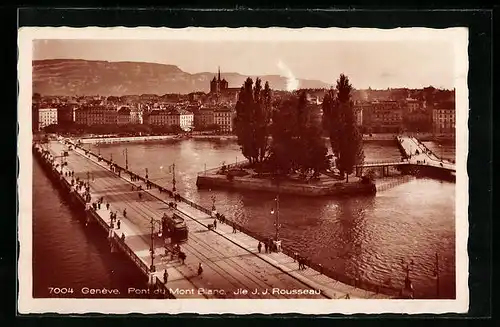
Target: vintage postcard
point(243, 170)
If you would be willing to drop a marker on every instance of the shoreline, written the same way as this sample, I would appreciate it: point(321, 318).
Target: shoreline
point(325, 186)
point(152, 138)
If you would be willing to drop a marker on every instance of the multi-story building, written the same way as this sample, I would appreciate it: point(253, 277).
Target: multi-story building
point(412, 105)
point(136, 116)
point(66, 114)
point(96, 115)
point(223, 117)
point(360, 108)
point(46, 117)
point(161, 117)
point(443, 119)
point(383, 117)
point(186, 119)
point(204, 117)
point(123, 116)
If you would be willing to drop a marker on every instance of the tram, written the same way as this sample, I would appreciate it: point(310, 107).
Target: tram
point(175, 227)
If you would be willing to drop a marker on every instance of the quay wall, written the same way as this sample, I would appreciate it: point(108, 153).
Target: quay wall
point(149, 138)
point(79, 203)
point(356, 282)
point(109, 140)
point(258, 184)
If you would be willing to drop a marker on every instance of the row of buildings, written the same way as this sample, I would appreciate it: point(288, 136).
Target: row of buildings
point(389, 116)
point(372, 117)
point(203, 116)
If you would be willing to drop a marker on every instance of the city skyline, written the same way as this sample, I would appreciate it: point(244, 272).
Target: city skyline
point(366, 63)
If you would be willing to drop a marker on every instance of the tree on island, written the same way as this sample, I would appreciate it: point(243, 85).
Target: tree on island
point(251, 124)
point(297, 143)
point(340, 120)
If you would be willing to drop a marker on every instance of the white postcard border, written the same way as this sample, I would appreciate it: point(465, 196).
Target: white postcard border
point(26, 302)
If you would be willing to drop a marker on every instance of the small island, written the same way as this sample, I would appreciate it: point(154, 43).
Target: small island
point(285, 149)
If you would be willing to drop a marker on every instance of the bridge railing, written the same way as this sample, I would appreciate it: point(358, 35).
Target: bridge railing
point(380, 162)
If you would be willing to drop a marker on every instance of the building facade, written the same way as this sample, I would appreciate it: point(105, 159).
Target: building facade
point(383, 117)
point(136, 116)
point(443, 120)
point(66, 114)
point(224, 118)
point(46, 117)
point(204, 117)
point(186, 119)
point(162, 117)
point(96, 115)
point(123, 116)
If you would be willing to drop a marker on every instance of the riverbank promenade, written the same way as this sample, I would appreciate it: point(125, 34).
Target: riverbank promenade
point(232, 264)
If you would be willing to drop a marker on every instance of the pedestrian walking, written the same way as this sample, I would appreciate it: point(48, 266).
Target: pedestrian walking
point(200, 269)
point(125, 213)
point(259, 247)
point(118, 223)
point(165, 276)
point(107, 206)
point(266, 247)
point(234, 228)
point(215, 223)
point(182, 257)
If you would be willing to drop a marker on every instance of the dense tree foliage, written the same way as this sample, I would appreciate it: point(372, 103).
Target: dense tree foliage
point(251, 123)
point(297, 144)
point(340, 121)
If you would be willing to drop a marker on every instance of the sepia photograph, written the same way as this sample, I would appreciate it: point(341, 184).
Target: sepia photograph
point(233, 170)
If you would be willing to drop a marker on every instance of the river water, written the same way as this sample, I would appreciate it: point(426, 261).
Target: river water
point(68, 255)
point(360, 236)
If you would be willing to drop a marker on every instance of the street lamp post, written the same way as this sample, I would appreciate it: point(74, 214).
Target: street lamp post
point(152, 249)
point(173, 177)
point(213, 202)
point(125, 152)
point(277, 222)
point(277, 225)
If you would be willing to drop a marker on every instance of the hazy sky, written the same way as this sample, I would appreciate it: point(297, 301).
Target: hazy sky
point(368, 64)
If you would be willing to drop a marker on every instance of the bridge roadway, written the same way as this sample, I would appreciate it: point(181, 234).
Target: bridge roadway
point(229, 263)
point(424, 157)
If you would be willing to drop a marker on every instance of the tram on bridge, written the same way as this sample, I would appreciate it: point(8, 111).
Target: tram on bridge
point(175, 227)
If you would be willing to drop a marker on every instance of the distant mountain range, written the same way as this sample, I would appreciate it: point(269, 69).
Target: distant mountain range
point(85, 77)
